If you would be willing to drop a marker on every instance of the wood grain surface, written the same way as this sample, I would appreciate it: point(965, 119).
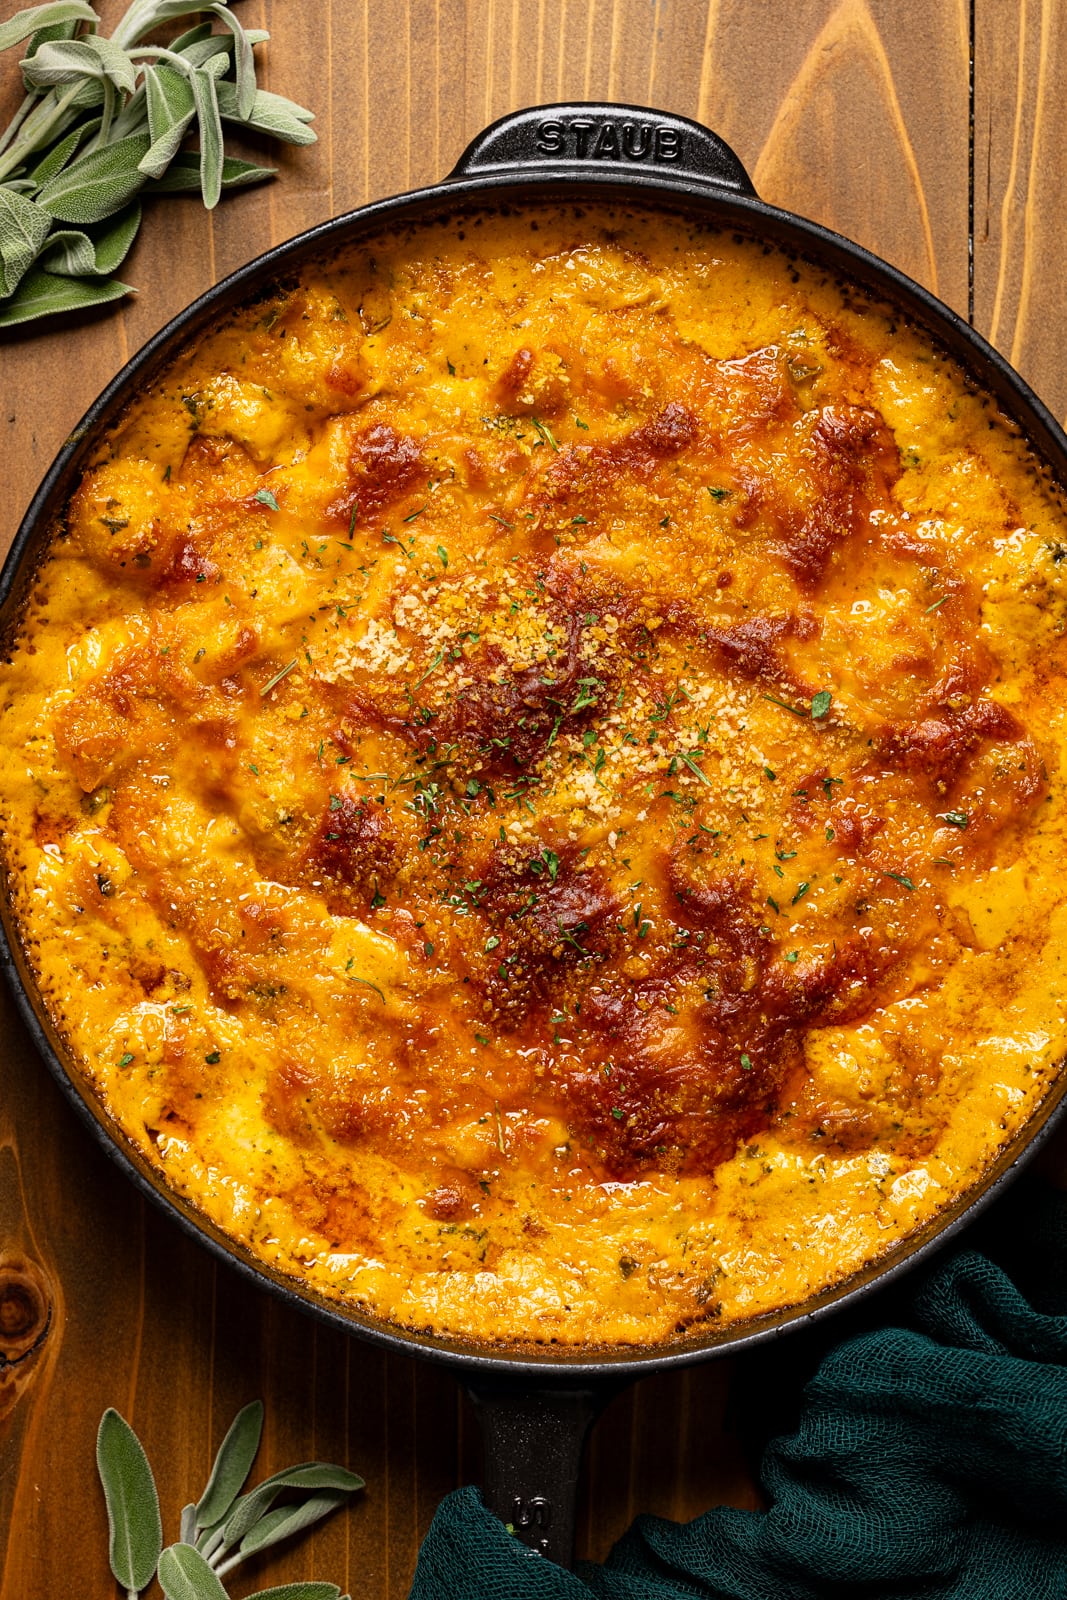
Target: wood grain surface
point(855, 112)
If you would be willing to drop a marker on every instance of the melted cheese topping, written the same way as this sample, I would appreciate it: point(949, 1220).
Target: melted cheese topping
point(534, 784)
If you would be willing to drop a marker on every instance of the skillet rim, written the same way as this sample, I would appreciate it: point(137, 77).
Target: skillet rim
point(723, 206)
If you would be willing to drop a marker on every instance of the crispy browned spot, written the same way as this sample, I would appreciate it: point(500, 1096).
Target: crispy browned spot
point(849, 452)
point(549, 917)
point(350, 851)
point(382, 466)
point(751, 648)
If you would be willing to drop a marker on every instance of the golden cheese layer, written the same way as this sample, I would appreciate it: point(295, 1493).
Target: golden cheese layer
point(533, 778)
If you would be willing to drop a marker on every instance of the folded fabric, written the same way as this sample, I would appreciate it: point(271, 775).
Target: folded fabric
point(930, 1462)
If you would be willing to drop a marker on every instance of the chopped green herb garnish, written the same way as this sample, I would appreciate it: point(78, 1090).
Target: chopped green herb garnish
point(901, 878)
point(794, 710)
point(434, 664)
point(265, 498)
point(278, 676)
point(687, 757)
point(545, 431)
point(955, 819)
point(365, 983)
point(820, 704)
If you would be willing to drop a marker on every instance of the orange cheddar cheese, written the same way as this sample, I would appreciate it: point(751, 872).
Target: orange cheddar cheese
point(533, 778)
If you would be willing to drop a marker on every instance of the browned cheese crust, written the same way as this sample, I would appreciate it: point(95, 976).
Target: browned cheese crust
point(533, 778)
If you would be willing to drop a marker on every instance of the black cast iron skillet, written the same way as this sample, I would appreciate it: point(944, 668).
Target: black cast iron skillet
point(535, 1403)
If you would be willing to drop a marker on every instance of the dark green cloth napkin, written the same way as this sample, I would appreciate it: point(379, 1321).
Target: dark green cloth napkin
point(930, 1462)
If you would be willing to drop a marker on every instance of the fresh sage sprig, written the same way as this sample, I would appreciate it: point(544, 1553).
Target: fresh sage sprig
point(224, 1527)
point(103, 124)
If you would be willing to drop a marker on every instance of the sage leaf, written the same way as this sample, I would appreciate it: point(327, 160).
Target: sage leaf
point(185, 1575)
point(71, 253)
point(308, 1475)
point(232, 1466)
point(136, 1533)
point(203, 45)
point(216, 66)
point(169, 98)
point(309, 1589)
point(144, 16)
point(42, 295)
point(210, 124)
point(49, 65)
point(69, 60)
point(171, 108)
point(171, 10)
point(113, 242)
point(183, 174)
point(270, 113)
point(58, 30)
point(90, 95)
point(244, 65)
point(133, 118)
point(187, 1526)
point(192, 36)
point(287, 1520)
point(23, 230)
point(97, 184)
point(23, 23)
point(59, 155)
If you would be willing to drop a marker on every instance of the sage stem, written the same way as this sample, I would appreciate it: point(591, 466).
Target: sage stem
point(107, 117)
point(213, 1545)
point(39, 130)
point(17, 120)
point(138, 20)
point(159, 52)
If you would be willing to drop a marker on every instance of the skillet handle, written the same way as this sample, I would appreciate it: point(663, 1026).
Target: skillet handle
point(598, 139)
point(533, 1437)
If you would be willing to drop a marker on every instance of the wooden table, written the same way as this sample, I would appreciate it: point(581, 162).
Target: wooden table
point(926, 129)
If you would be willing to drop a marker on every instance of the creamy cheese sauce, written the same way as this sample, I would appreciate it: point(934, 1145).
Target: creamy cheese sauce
point(533, 778)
